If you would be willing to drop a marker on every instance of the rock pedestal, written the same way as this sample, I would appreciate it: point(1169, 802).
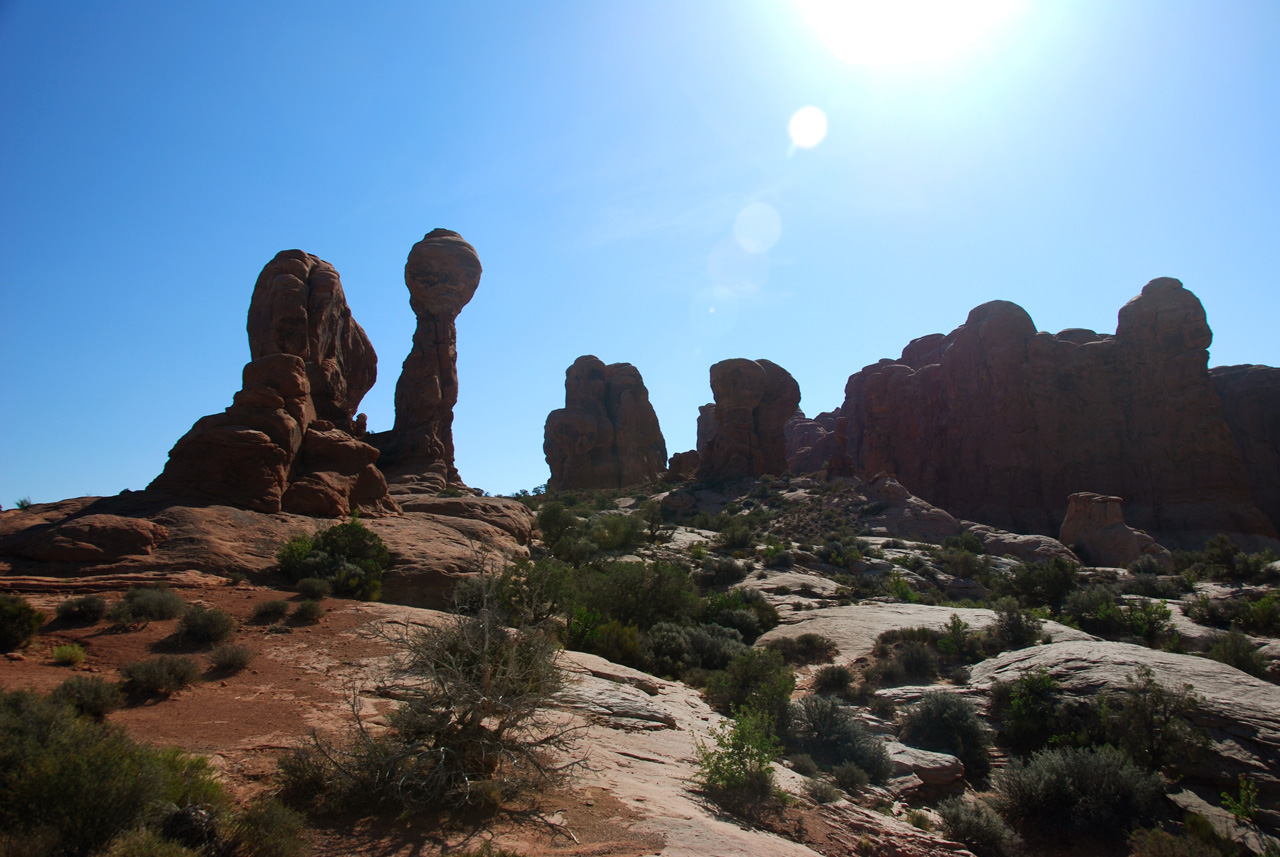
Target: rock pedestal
point(745, 434)
point(607, 434)
point(1095, 529)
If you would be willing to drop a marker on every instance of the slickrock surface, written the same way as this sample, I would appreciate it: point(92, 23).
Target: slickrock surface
point(285, 442)
point(442, 274)
point(607, 434)
point(998, 423)
point(745, 435)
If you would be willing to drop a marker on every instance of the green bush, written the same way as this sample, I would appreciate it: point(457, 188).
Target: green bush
point(1027, 711)
point(804, 765)
point(637, 593)
point(271, 611)
point(966, 542)
point(1152, 585)
point(722, 571)
point(807, 648)
point(143, 604)
point(612, 532)
point(1235, 649)
point(850, 778)
point(350, 556)
point(555, 522)
point(1256, 616)
point(828, 731)
point(675, 649)
point(313, 588)
point(1222, 559)
point(978, 827)
point(83, 609)
point(91, 696)
point(1096, 793)
point(821, 791)
point(759, 679)
point(19, 622)
point(308, 613)
point(739, 767)
point(736, 535)
point(268, 828)
point(833, 680)
point(202, 626)
point(143, 842)
point(1014, 627)
point(74, 784)
point(230, 657)
point(743, 608)
point(1152, 723)
point(948, 723)
point(1041, 584)
point(68, 655)
point(159, 676)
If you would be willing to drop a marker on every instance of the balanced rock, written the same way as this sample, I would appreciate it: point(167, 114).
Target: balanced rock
point(1094, 528)
point(1250, 397)
point(1000, 424)
point(442, 273)
point(271, 450)
point(607, 434)
point(753, 401)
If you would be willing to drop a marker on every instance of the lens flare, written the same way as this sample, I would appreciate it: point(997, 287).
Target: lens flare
point(894, 32)
point(808, 127)
point(757, 227)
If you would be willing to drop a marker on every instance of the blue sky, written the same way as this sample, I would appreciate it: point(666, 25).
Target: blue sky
point(154, 156)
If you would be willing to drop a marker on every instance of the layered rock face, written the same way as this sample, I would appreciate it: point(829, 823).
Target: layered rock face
point(810, 442)
point(1001, 424)
point(285, 443)
point(1250, 397)
point(442, 273)
point(1095, 529)
point(745, 435)
point(607, 434)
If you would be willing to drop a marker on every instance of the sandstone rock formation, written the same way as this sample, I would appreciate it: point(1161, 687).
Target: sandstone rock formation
point(607, 434)
point(1094, 528)
point(442, 273)
point(683, 466)
point(810, 442)
point(753, 401)
point(1001, 424)
point(1250, 397)
point(285, 442)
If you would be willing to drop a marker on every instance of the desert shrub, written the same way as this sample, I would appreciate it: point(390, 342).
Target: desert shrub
point(806, 648)
point(1099, 610)
point(963, 564)
point(743, 608)
point(1152, 723)
point(1222, 559)
point(313, 588)
point(91, 696)
point(637, 593)
point(74, 783)
point(350, 556)
point(739, 767)
point(777, 557)
point(307, 613)
point(1161, 843)
point(759, 679)
point(804, 765)
point(978, 827)
point(83, 609)
point(19, 622)
point(958, 644)
point(620, 643)
point(1095, 793)
point(143, 604)
point(722, 571)
point(159, 676)
point(615, 532)
point(268, 828)
point(230, 657)
point(917, 660)
point(1152, 585)
point(1014, 628)
point(271, 611)
point(966, 542)
point(1257, 616)
point(1039, 584)
point(850, 778)
point(828, 731)
point(144, 842)
point(555, 521)
point(676, 649)
point(832, 679)
point(735, 535)
point(205, 625)
point(472, 727)
point(68, 655)
point(821, 791)
point(1235, 649)
point(948, 723)
point(1026, 710)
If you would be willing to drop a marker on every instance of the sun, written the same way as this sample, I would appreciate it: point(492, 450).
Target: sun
point(896, 32)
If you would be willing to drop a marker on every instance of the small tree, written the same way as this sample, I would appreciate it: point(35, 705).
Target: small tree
point(740, 766)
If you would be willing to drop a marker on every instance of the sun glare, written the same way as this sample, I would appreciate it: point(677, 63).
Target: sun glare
point(893, 32)
point(808, 127)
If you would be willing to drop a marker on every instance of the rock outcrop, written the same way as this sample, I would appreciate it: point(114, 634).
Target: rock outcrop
point(442, 273)
point(810, 442)
point(1250, 397)
point(1095, 529)
point(607, 434)
point(753, 401)
point(683, 466)
point(1001, 424)
point(285, 442)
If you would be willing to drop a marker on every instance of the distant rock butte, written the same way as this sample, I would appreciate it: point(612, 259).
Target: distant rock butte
point(744, 435)
point(1001, 424)
point(607, 434)
point(442, 273)
point(285, 443)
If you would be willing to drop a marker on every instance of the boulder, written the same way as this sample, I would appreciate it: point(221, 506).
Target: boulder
point(607, 434)
point(1250, 397)
point(753, 401)
point(286, 441)
point(998, 423)
point(442, 274)
point(1095, 530)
